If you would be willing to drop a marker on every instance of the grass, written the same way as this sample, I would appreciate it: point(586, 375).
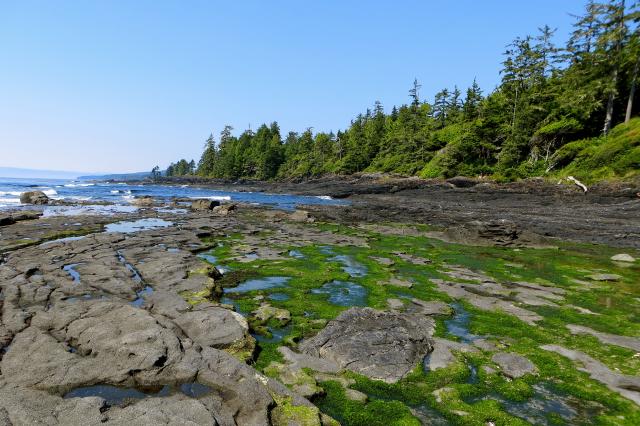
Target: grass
point(612, 157)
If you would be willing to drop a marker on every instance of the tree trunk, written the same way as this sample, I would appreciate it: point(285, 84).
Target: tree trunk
point(632, 91)
point(614, 74)
point(612, 97)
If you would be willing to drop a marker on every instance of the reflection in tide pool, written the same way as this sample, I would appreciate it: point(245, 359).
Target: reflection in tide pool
point(115, 395)
point(277, 334)
point(137, 225)
point(296, 254)
point(545, 401)
point(259, 284)
point(343, 293)
point(459, 324)
point(350, 265)
point(279, 297)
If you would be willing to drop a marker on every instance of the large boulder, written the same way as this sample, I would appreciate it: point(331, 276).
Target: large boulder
point(34, 197)
point(225, 209)
point(204, 204)
point(301, 216)
point(378, 344)
point(143, 201)
point(217, 328)
point(463, 182)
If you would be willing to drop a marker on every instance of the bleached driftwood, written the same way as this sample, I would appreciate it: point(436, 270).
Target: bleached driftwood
point(577, 182)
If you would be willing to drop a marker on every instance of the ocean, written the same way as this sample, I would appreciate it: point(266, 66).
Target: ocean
point(121, 194)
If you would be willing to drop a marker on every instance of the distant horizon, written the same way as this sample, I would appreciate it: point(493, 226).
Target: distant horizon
point(34, 173)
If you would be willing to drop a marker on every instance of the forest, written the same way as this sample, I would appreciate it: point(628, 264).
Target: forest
point(557, 109)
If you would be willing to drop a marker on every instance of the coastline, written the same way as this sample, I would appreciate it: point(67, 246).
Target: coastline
point(608, 213)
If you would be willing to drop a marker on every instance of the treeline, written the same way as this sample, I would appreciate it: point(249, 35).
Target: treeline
point(181, 168)
point(548, 96)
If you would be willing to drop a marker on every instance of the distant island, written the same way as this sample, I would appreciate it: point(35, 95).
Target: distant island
point(20, 173)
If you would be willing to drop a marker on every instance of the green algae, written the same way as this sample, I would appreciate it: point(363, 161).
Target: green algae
point(614, 305)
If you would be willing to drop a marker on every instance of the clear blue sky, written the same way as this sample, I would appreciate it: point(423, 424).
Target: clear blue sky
point(115, 86)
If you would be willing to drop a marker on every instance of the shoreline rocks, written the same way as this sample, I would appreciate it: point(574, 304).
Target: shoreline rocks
point(34, 197)
point(204, 204)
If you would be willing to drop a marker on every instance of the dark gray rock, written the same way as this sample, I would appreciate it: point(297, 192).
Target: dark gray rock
point(463, 182)
point(380, 345)
point(204, 204)
point(499, 232)
point(34, 197)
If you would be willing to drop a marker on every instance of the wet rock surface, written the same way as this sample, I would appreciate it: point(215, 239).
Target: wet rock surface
point(235, 315)
point(500, 233)
point(381, 345)
point(106, 315)
point(204, 204)
point(34, 197)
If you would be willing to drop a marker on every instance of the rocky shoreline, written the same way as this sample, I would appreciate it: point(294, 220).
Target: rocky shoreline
point(606, 213)
point(242, 315)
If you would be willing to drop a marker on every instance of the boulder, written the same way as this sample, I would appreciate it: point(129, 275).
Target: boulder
point(378, 344)
point(225, 209)
point(34, 197)
point(266, 312)
point(463, 182)
point(355, 395)
point(144, 201)
point(216, 327)
point(301, 216)
point(204, 204)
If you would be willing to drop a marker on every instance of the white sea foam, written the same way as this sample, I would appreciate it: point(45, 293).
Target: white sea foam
point(214, 197)
point(324, 197)
point(16, 193)
point(9, 201)
point(73, 185)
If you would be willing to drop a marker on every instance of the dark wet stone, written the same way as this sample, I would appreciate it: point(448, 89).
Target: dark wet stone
point(380, 345)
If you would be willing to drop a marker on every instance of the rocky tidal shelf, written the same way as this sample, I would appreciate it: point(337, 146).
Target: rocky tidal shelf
point(252, 316)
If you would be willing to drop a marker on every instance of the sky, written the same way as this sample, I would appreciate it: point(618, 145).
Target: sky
point(120, 86)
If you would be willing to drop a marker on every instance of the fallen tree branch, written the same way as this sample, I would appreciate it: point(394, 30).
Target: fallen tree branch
point(577, 182)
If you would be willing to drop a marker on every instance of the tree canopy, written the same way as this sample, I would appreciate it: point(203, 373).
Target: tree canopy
point(548, 97)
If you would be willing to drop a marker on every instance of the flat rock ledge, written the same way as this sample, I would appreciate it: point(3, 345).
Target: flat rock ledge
point(628, 342)
point(513, 365)
point(627, 386)
point(380, 345)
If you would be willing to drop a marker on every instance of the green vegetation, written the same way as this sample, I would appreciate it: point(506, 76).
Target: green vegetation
point(466, 392)
point(553, 114)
